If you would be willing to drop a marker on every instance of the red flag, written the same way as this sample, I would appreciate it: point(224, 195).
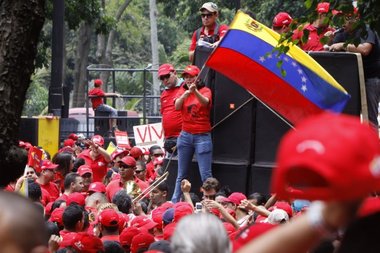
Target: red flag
point(35, 158)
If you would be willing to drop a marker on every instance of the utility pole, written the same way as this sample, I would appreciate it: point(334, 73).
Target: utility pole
point(55, 89)
point(154, 46)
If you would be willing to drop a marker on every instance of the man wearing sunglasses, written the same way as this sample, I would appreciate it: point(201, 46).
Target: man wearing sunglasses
point(210, 31)
point(171, 119)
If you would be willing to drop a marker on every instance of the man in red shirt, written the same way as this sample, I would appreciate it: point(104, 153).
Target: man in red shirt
point(97, 95)
point(96, 157)
point(171, 119)
point(46, 178)
point(127, 180)
point(210, 32)
point(317, 31)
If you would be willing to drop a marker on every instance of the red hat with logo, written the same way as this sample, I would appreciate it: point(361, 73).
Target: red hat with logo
point(97, 139)
point(282, 19)
point(135, 152)
point(76, 197)
point(165, 69)
point(109, 218)
point(86, 243)
point(127, 235)
point(191, 70)
point(128, 160)
point(98, 82)
point(328, 157)
point(83, 169)
point(143, 223)
point(250, 233)
point(48, 165)
point(141, 241)
point(68, 143)
point(97, 187)
point(323, 7)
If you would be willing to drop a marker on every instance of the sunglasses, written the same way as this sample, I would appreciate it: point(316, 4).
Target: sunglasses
point(208, 15)
point(158, 155)
point(162, 78)
point(139, 171)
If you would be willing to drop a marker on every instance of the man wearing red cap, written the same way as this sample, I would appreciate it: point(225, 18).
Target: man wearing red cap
point(318, 30)
point(96, 157)
point(46, 178)
point(281, 22)
point(86, 173)
point(97, 95)
point(127, 180)
point(210, 32)
point(369, 48)
point(194, 100)
point(171, 119)
point(109, 220)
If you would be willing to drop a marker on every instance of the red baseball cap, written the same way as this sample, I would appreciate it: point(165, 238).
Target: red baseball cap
point(76, 197)
point(48, 165)
point(97, 187)
point(182, 209)
point(140, 241)
point(83, 169)
point(73, 136)
point(157, 216)
point(252, 232)
point(323, 7)
point(235, 198)
point(284, 206)
point(97, 139)
point(86, 243)
point(56, 216)
point(68, 143)
point(328, 157)
point(165, 69)
point(128, 160)
point(98, 82)
point(191, 70)
point(109, 218)
point(119, 152)
point(169, 230)
point(127, 235)
point(282, 19)
point(135, 152)
point(143, 223)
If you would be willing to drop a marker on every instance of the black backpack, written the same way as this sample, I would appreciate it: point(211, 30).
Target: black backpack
point(210, 39)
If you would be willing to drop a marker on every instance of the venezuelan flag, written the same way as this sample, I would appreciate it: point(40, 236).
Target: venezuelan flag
point(245, 55)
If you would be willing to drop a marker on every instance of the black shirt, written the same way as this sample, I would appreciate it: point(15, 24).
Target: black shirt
point(371, 62)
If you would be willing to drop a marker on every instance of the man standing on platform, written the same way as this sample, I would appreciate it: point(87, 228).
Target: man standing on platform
point(171, 119)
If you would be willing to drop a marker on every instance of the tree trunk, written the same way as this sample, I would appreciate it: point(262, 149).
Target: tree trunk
point(81, 62)
point(20, 25)
point(154, 46)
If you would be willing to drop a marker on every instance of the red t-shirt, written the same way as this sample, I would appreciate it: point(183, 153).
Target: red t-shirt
point(196, 117)
point(222, 31)
point(116, 185)
point(96, 101)
point(314, 41)
point(51, 189)
point(171, 119)
point(98, 166)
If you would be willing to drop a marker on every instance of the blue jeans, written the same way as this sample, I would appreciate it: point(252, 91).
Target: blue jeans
point(187, 145)
point(106, 108)
point(372, 86)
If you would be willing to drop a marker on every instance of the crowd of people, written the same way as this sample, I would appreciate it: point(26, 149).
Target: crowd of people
point(83, 199)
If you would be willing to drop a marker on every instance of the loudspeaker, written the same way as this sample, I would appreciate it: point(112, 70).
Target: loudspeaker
point(269, 130)
point(201, 54)
point(232, 134)
point(233, 175)
point(347, 76)
point(260, 178)
point(101, 124)
point(29, 130)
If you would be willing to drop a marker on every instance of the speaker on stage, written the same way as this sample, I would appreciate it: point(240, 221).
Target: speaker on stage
point(259, 178)
point(232, 134)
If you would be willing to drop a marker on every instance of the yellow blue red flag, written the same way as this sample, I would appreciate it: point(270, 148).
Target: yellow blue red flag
point(245, 55)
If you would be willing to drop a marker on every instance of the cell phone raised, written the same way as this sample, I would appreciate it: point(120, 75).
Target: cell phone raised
point(198, 207)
